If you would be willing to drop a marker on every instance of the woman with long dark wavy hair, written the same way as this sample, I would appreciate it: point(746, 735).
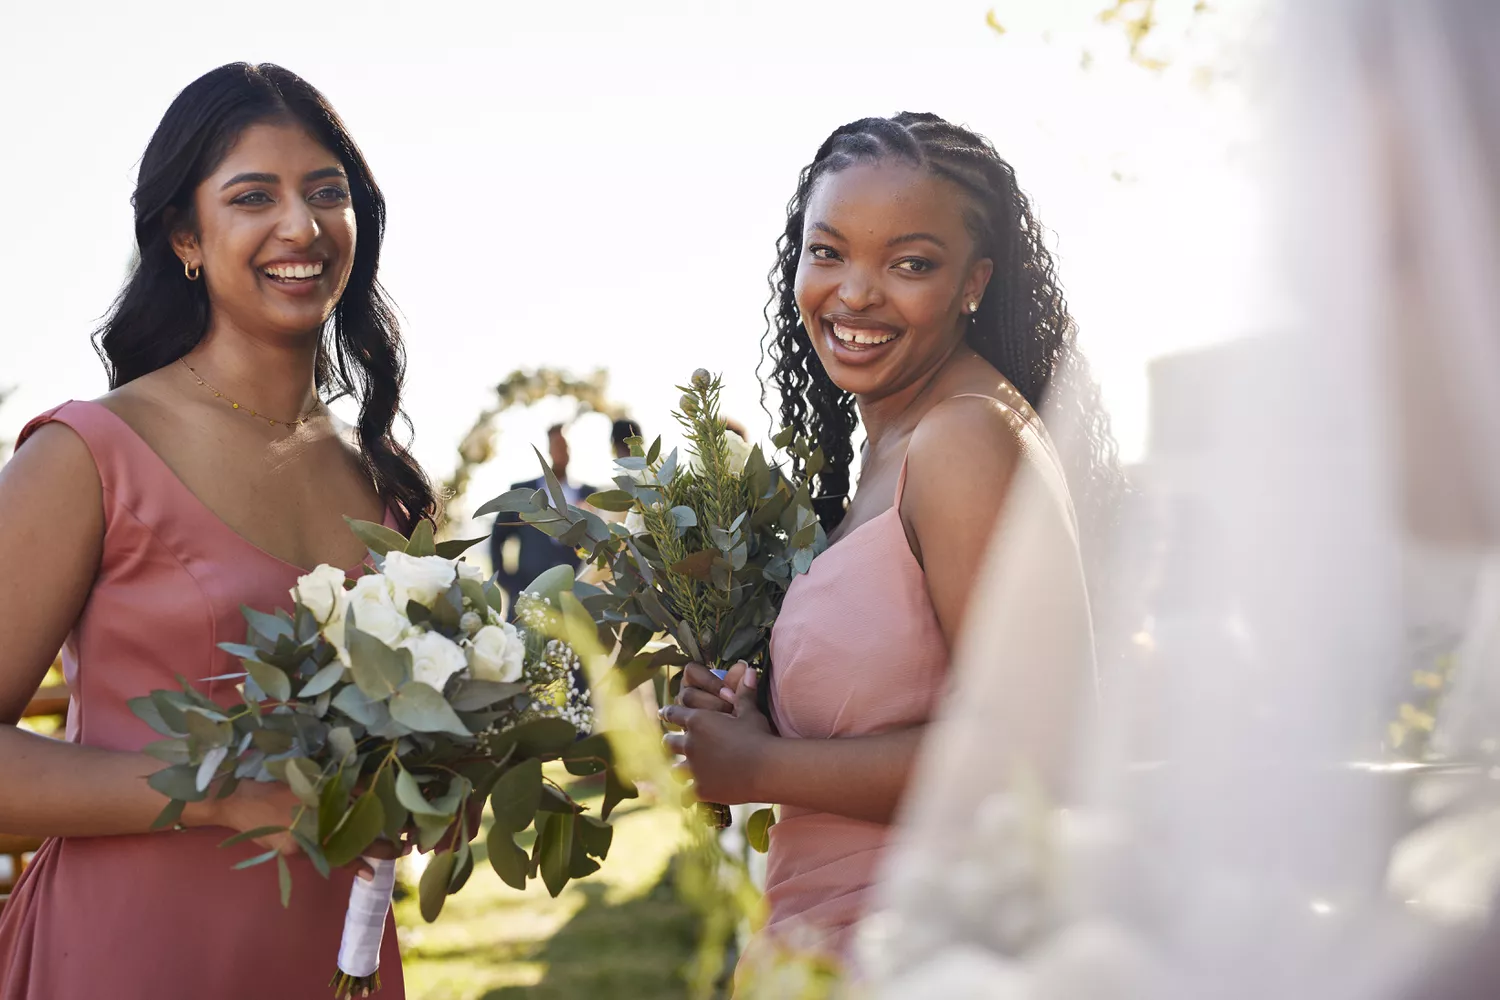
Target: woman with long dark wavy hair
point(913, 295)
point(208, 477)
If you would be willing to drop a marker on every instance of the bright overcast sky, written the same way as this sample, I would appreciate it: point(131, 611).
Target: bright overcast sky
point(600, 184)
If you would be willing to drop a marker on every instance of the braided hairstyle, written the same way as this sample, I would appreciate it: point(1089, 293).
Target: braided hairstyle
point(1022, 327)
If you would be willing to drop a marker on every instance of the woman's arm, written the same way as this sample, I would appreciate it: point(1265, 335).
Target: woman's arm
point(950, 516)
point(51, 511)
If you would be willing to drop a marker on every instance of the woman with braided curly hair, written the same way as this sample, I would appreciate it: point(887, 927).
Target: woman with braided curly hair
point(913, 296)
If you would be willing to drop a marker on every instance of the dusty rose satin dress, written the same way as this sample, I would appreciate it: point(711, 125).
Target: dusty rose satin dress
point(162, 916)
point(857, 650)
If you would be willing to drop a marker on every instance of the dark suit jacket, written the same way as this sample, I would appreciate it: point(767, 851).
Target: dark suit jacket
point(539, 551)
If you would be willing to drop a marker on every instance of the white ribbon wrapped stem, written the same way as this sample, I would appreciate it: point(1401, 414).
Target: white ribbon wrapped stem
point(364, 922)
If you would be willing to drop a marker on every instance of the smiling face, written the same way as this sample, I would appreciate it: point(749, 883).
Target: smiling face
point(274, 233)
point(887, 271)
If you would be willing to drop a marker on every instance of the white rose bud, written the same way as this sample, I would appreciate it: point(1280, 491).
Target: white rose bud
point(434, 658)
point(739, 452)
point(497, 654)
point(417, 578)
point(470, 623)
point(374, 614)
point(322, 593)
point(469, 571)
point(635, 523)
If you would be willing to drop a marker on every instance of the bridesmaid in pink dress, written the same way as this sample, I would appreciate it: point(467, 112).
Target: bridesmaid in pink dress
point(210, 476)
point(915, 297)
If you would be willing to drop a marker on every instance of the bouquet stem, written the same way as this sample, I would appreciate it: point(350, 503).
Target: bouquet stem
point(715, 814)
point(364, 925)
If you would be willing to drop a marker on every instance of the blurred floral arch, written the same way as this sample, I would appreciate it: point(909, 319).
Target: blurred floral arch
point(521, 388)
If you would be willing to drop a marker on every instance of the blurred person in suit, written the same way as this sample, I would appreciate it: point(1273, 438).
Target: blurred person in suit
point(521, 553)
point(620, 434)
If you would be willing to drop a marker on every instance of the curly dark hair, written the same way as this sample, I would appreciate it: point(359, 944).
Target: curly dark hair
point(159, 316)
point(1022, 327)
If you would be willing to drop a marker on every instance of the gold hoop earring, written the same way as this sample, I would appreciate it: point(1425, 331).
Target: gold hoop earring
point(191, 271)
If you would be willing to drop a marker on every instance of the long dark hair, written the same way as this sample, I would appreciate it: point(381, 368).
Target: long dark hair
point(1022, 327)
point(160, 316)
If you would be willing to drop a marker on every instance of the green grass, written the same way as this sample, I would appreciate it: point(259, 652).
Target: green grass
point(620, 934)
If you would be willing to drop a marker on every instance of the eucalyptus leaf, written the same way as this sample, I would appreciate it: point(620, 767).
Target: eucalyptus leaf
point(684, 516)
point(244, 835)
point(421, 707)
point(364, 821)
point(409, 794)
point(270, 627)
point(269, 679)
point(258, 859)
point(210, 767)
point(392, 809)
point(432, 892)
point(284, 880)
point(758, 829)
point(668, 470)
point(520, 501)
point(473, 695)
point(617, 501)
point(378, 669)
point(169, 816)
point(508, 860)
point(323, 680)
point(455, 547)
point(556, 844)
point(514, 800)
point(168, 751)
point(463, 870)
point(272, 741)
point(377, 537)
point(146, 709)
point(169, 706)
point(616, 790)
point(589, 755)
point(314, 853)
point(331, 802)
point(302, 776)
point(552, 582)
point(594, 835)
point(554, 488)
point(178, 782)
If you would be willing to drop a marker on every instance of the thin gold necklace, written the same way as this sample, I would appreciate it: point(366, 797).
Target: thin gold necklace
point(244, 409)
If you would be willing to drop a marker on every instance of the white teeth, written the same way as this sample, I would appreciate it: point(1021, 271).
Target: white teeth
point(295, 270)
point(860, 335)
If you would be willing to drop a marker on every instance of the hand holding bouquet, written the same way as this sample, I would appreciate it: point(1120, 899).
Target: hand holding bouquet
point(708, 547)
point(388, 704)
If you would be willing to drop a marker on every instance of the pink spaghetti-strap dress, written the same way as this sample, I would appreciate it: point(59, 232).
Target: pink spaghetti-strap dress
point(857, 650)
point(163, 915)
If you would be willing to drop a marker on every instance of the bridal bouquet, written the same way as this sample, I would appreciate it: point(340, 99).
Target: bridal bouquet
point(707, 549)
point(389, 704)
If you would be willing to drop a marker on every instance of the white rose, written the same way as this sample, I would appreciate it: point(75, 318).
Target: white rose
point(322, 593)
point(374, 614)
point(417, 578)
point(434, 658)
point(635, 523)
point(739, 454)
point(469, 571)
point(498, 654)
